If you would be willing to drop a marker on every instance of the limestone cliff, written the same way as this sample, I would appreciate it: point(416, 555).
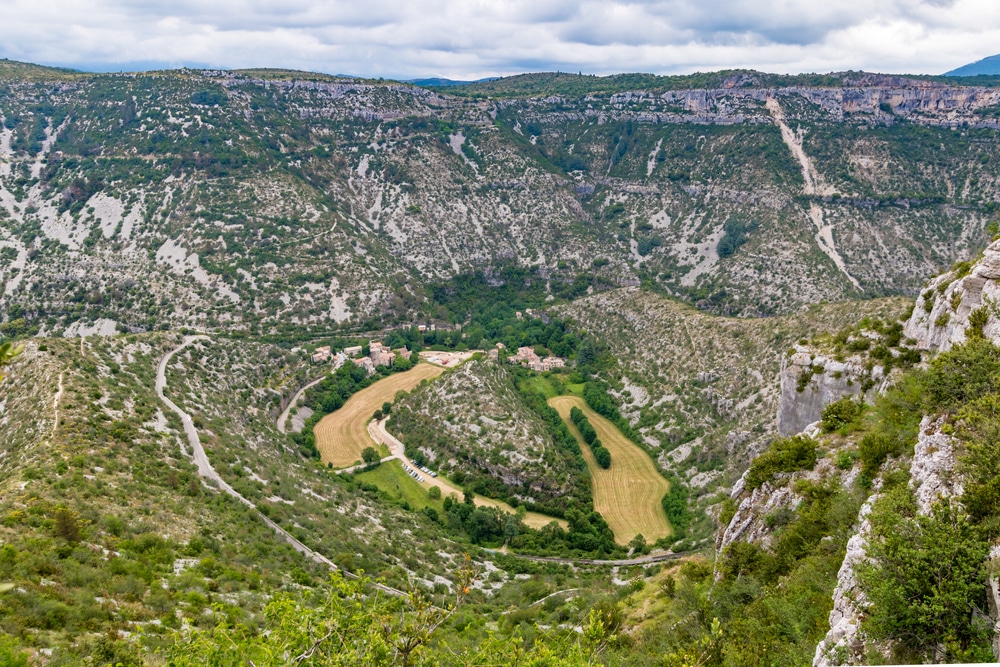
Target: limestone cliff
point(811, 380)
point(943, 311)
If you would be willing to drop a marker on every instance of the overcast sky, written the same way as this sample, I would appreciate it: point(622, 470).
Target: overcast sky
point(469, 39)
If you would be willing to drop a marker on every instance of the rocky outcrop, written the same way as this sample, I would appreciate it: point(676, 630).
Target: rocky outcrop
point(993, 597)
point(932, 471)
point(941, 316)
point(809, 382)
point(844, 644)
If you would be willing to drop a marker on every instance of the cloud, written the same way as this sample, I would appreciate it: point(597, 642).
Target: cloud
point(476, 38)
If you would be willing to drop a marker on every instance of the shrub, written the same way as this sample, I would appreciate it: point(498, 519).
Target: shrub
point(785, 455)
point(603, 457)
point(840, 414)
point(874, 449)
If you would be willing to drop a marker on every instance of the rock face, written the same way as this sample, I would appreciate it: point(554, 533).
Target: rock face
point(829, 380)
point(932, 475)
point(941, 315)
point(844, 641)
point(993, 598)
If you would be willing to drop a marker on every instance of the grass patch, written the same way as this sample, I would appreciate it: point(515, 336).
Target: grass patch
point(391, 478)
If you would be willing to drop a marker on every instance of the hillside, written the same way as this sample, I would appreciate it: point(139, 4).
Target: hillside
point(475, 426)
point(106, 525)
point(703, 390)
point(986, 67)
point(262, 199)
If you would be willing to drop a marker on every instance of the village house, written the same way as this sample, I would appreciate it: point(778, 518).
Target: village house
point(365, 363)
point(352, 351)
point(321, 354)
point(527, 357)
point(548, 363)
point(403, 352)
point(380, 354)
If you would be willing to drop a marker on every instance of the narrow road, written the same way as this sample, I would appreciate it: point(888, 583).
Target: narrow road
point(206, 470)
point(55, 405)
point(283, 417)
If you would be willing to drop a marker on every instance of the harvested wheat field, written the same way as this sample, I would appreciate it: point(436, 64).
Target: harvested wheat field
point(629, 493)
point(341, 435)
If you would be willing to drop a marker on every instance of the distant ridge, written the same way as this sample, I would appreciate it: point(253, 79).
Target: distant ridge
point(439, 82)
point(989, 65)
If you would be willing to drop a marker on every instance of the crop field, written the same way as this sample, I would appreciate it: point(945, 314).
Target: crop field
point(341, 435)
point(629, 493)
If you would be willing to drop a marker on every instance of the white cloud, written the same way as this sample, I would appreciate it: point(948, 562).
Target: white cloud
point(475, 38)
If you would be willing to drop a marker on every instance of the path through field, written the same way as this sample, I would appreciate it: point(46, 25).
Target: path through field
point(341, 435)
point(379, 433)
point(629, 493)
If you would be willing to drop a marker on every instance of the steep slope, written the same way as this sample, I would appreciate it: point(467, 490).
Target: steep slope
point(267, 199)
point(703, 390)
point(106, 527)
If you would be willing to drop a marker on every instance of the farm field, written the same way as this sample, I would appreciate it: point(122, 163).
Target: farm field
point(628, 494)
point(341, 435)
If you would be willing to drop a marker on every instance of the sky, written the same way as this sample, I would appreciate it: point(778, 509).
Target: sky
point(471, 39)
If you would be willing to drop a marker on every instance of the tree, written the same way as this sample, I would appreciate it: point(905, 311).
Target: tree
point(603, 457)
point(924, 579)
point(434, 493)
point(67, 525)
point(370, 456)
point(386, 408)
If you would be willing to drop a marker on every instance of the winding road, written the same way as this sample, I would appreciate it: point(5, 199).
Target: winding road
point(379, 433)
point(206, 471)
point(283, 417)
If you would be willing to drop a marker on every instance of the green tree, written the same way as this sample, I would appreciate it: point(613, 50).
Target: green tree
point(369, 455)
point(924, 579)
point(434, 493)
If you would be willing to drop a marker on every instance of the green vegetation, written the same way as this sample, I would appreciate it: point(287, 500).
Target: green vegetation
point(330, 394)
point(927, 573)
point(841, 415)
point(601, 454)
point(784, 455)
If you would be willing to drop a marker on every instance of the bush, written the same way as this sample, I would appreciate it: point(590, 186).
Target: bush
point(963, 374)
point(603, 457)
point(785, 455)
point(840, 414)
point(925, 576)
point(434, 493)
point(874, 449)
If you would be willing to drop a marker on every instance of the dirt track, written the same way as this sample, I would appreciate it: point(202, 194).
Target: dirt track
point(378, 431)
point(341, 435)
point(629, 493)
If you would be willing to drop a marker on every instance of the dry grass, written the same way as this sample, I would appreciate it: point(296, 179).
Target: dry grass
point(629, 493)
point(341, 435)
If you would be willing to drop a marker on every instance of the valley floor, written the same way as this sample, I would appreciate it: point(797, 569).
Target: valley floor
point(341, 436)
point(629, 493)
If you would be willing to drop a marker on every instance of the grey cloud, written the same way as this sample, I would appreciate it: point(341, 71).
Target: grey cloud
point(472, 38)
